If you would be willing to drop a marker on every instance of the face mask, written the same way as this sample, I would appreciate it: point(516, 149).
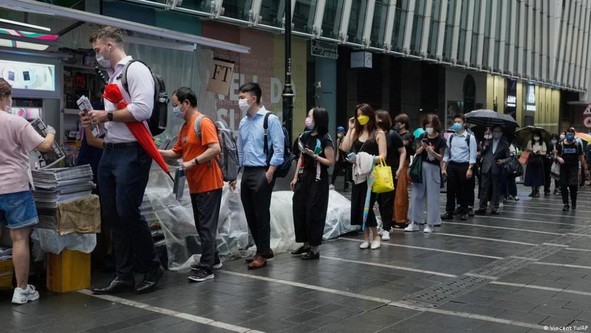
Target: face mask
point(429, 130)
point(570, 137)
point(177, 112)
point(102, 61)
point(561, 136)
point(309, 123)
point(488, 136)
point(243, 105)
point(363, 120)
point(536, 138)
point(497, 135)
point(457, 127)
point(553, 141)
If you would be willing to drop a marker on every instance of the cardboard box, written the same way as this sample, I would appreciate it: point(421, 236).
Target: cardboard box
point(68, 271)
point(6, 274)
point(80, 215)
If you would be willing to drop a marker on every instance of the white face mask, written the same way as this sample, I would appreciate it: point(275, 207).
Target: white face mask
point(488, 136)
point(429, 130)
point(243, 105)
point(536, 138)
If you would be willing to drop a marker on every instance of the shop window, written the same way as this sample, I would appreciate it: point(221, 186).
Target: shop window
point(379, 23)
point(272, 12)
point(357, 20)
point(303, 15)
point(237, 9)
point(333, 13)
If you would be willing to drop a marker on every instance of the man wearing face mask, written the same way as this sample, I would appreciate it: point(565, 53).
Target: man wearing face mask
point(17, 206)
point(204, 176)
point(570, 156)
point(258, 170)
point(457, 164)
point(493, 158)
point(124, 167)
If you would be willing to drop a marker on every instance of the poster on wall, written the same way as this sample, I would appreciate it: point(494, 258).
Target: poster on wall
point(264, 65)
point(28, 75)
point(221, 76)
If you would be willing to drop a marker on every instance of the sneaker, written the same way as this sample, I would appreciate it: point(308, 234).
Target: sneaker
point(574, 207)
point(565, 208)
point(217, 264)
point(428, 229)
point(22, 296)
point(412, 227)
point(470, 211)
point(375, 244)
point(447, 216)
point(385, 235)
point(516, 198)
point(364, 245)
point(201, 275)
point(555, 191)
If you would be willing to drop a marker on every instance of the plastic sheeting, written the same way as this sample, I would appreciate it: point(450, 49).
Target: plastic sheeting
point(48, 240)
point(233, 240)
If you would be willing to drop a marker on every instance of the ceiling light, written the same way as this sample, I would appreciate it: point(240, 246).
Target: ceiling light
point(48, 9)
point(38, 27)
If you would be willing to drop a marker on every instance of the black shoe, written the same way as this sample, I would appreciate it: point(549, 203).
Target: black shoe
point(116, 286)
point(536, 195)
point(494, 212)
point(457, 211)
point(301, 250)
point(547, 192)
point(565, 208)
point(150, 280)
point(574, 207)
point(480, 212)
point(470, 211)
point(310, 255)
point(447, 216)
point(463, 217)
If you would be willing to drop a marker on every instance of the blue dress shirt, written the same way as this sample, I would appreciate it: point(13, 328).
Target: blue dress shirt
point(251, 138)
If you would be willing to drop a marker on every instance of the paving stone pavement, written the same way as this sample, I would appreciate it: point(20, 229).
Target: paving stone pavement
point(526, 270)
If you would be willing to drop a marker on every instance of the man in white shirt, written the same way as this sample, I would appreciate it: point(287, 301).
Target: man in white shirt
point(124, 168)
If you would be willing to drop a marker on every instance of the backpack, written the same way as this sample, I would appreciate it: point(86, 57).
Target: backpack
point(228, 158)
point(451, 138)
point(159, 117)
point(288, 156)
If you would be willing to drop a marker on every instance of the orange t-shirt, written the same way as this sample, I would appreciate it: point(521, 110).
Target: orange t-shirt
point(206, 176)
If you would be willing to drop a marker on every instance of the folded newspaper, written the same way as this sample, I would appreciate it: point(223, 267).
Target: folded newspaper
point(48, 159)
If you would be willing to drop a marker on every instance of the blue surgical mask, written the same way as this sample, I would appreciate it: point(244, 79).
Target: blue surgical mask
point(457, 127)
point(570, 137)
point(176, 110)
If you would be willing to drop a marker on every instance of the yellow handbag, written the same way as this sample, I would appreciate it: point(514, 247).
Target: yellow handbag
point(383, 180)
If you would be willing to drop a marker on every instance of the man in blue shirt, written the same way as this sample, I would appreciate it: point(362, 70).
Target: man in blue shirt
point(258, 168)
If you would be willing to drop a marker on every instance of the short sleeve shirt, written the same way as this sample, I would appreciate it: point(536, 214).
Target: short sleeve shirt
point(206, 176)
point(18, 139)
point(439, 145)
point(394, 142)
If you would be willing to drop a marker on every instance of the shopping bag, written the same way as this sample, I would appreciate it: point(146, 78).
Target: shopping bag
point(416, 169)
point(555, 170)
point(524, 157)
point(383, 180)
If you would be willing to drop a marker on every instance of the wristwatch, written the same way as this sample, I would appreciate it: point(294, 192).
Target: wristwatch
point(110, 116)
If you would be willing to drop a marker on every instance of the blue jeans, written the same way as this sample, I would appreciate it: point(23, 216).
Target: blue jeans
point(122, 177)
point(18, 209)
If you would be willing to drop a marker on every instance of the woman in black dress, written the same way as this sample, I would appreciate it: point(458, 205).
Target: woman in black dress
point(310, 184)
point(364, 136)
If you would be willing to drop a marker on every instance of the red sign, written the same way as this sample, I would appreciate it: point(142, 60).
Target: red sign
point(587, 121)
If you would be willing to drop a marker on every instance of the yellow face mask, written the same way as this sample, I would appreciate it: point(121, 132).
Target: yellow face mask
point(363, 120)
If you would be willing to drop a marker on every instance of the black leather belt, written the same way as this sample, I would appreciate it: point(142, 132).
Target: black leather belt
point(111, 145)
point(246, 167)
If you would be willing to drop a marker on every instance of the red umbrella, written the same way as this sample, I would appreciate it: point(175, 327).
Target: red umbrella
point(138, 129)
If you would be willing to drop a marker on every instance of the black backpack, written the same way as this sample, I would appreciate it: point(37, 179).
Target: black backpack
point(159, 117)
point(288, 156)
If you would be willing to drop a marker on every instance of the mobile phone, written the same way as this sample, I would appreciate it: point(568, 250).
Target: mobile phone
point(26, 76)
point(10, 75)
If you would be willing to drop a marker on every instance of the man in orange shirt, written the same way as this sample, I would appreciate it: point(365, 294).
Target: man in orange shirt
point(203, 174)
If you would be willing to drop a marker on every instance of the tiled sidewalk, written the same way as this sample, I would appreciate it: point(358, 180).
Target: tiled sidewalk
point(528, 269)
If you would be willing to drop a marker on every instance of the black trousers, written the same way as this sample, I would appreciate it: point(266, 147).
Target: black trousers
point(569, 179)
point(206, 211)
point(255, 194)
point(457, 187)
point(122, 176)
point(490, 190)
point(310, 202)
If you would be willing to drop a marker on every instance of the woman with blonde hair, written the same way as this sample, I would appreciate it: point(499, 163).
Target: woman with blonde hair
point(364, 137)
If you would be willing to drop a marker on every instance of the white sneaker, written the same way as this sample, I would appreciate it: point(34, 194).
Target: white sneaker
point(428, 229)
point(385, 235)
point(22, 296)
point(412, 227)
point(516, 198)
point(375, 244)
point(364, 245)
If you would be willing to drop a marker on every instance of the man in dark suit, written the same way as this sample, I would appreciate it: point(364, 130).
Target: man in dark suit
point(494, 155)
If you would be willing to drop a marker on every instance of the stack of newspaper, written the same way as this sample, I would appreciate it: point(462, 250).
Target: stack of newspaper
point(56, 185)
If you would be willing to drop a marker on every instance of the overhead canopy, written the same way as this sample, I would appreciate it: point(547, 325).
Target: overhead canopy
point(31, 6)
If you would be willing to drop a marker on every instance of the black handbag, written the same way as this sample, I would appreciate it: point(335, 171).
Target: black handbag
point(415, 170)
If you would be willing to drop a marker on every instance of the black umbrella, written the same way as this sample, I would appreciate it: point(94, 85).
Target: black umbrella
point(524, 135)
point(489, 118)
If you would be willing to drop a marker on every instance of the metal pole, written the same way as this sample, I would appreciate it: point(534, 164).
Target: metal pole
point(287, 90)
